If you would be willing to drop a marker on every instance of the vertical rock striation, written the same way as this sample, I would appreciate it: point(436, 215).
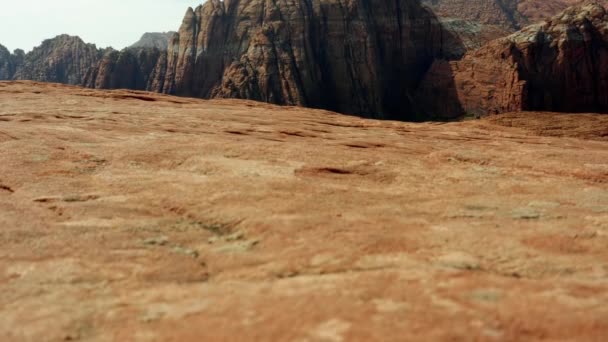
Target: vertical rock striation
point(131, 68)
point(352, 56)
point(63, 59)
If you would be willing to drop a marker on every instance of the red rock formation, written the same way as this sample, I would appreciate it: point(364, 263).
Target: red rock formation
point(322, 54)
point(131, 68)
point(476, 22)
point(332, 54)
point(63, 59)
point(560, 65)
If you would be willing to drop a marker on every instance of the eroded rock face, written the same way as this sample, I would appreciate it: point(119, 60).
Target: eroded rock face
point(9, 62)
point(346, 58)
point(502, 13)
point(63, 59)
point(131, 68)
point(559, 65)
point(477, 22)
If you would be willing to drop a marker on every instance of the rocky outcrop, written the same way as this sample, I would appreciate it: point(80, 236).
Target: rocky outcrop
point(63, 59)
point(476, 22)
point(131, 68)
point(150, 40)
point(6, 65)
point(358, 57)
point(141, 66)
point(559, 65)
point(9, 62)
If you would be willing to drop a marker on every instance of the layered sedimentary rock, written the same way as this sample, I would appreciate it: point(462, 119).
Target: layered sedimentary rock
point(349, 58)
point(63, 59)
point(159, 40)
point(359, 57)
point(559, 65)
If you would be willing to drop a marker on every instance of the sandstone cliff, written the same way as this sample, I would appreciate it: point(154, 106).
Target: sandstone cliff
point(359, 57)
point(476, 22)
point(63, 59)
point(559, 65)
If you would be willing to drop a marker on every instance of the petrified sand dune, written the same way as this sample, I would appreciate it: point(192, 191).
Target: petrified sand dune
point(134, 216)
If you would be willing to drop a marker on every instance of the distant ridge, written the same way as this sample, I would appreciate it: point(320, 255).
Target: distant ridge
point(159, 40)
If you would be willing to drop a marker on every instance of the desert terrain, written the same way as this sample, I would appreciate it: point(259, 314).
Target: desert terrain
point(134, 216)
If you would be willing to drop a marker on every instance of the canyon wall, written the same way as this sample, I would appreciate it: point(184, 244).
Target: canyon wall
point(63, 59)
point(358, 57)
point(558, 65)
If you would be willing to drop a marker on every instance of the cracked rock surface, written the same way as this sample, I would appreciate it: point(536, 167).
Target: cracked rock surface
point(135, 216)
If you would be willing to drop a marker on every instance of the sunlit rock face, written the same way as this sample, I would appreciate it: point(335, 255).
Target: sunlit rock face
point(558, 65)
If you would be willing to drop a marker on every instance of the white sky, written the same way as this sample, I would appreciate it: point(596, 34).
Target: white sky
point(117, 23)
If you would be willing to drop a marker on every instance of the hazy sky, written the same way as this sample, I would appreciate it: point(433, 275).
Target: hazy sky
point(117, 23)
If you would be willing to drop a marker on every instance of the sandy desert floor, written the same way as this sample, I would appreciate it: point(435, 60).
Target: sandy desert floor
point(130, 216)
